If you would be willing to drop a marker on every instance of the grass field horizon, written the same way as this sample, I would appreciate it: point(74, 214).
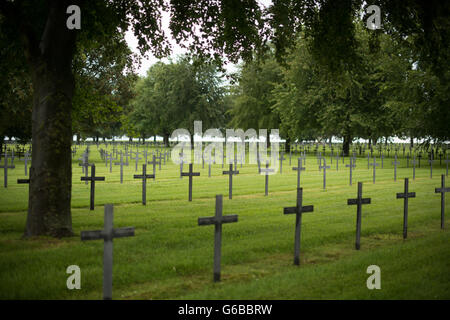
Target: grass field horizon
point(170, 256)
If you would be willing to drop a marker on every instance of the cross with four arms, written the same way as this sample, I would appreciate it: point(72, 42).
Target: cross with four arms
point(281, 158)
point(266, 172)
point(92, 179)
point(26, 159)
point(359, 201)
point(217, 221)
point(230, 174)
point(395, 162)
point(107, 234)
point(405, 196)
point(109, 157)
point(351, 166)
point(374, 164)
point(299, 209)
point(144, 176)
point(190, 174)
point(136, 158)
point(442, 190)
point(121, 163)
point(6, 167)
point(299, 168)
point(324, 167)
point(154, 163)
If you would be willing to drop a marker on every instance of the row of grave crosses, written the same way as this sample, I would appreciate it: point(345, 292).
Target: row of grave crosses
point(109, 232)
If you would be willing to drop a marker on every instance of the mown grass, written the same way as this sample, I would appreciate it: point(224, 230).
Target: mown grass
point(171, 256)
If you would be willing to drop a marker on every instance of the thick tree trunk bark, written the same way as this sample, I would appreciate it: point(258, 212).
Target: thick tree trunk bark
point(346, 145)
point(166, 139)
point(51, 172)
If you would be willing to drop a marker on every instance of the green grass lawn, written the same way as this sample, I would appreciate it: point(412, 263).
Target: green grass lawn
point(171, 257)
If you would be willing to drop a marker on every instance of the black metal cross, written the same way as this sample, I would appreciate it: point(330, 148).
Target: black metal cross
point(144, 176)
point(299, 168)
point(92, 179)
point(121, 163)
point(154, 163)
point(136, 159)
point(405, 196)
point(324, 167)
point(6, 167)
point(359, 201)
point(281, 158)
point(190, 174)
point(107, 234)
point(395, 162)
point(351, 166)
point(299, 209)
point(217, 221)
point(266, 172)
point(442, 190)
point(230, 174)
point(374, 164)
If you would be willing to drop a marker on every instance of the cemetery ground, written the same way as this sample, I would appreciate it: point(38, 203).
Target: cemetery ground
point(171, 257)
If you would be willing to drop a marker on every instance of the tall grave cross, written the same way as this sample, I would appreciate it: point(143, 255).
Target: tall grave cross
point(85, 164)
point(154, 163)
point(110, 158)
point(107, 234)
point(405, 196)
point(217, 221)
point(92, 179)
point(230, 185)
point(430, 161)
point(324, 167)
point(299, 168)
point(446, 164)
point(121, 163)
point(144, 176)
point(442, 190)
point(136, 159)
point(190, 174)
point(359, 201)
point(395, 163)
point(413, 161)
point(26, 159)
point(281, 158)
point(374, 164)
point(6, 167)
point(351, 166)
point(299, 209)
point(266, 173)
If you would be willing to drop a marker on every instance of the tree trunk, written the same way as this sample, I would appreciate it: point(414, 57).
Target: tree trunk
point(288, 144)
point(346, 145)
point(166, 139)
point(412, 142)
point(53, 83)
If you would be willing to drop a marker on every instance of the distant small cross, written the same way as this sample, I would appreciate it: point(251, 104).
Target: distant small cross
point(299, 168)
point(121, 163)
point(217, 221)
point(266, 172)
point(6, 167)
point(442, 190)
point(298, 210)
point(395, 162)
point(92, 179)
point(324, 167)
point(136, 159)
point(281, 158)
point(107, 234)
point(230, 185)
point(154, 163)
point(405, 196)
point(359, 201)
point(351, 166)
point(190, 174)
point(374, 164)
point(431, 168)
